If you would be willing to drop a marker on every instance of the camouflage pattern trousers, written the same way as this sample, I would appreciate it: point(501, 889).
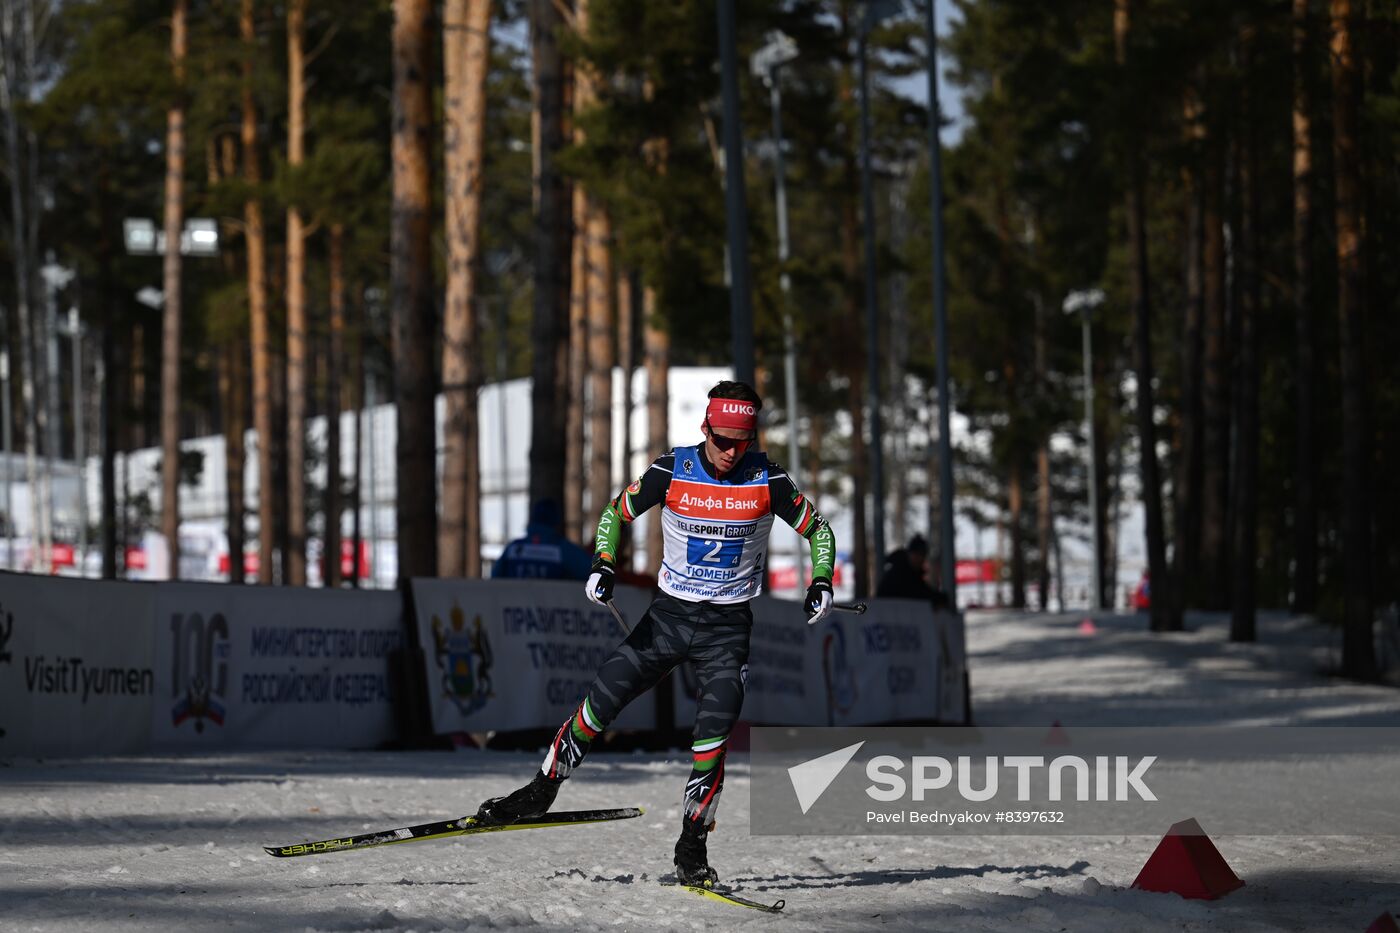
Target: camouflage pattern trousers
point(715, 640)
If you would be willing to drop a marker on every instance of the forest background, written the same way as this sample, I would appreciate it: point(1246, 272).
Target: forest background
point(465, 191)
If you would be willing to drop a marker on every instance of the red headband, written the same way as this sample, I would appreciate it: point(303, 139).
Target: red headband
point(732, 414)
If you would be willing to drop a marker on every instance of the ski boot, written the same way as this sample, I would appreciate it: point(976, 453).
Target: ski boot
point(692, 863)
point(533, 799)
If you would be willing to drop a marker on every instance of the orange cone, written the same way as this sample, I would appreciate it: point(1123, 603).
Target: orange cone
point(1385, 923)
point(1186, 862)
point(1057, 735)
point(1087, 627)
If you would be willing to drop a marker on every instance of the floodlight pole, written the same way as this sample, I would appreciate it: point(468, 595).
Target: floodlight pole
point(1084, 302)
point(768, 63)
point(55, 277)
point(872, 299)
point(79, 451)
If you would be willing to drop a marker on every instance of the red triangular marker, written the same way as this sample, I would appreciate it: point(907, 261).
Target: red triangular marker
point(1087, 627)
point(1057, 735)
point(1385, 923)
point(1186, 862)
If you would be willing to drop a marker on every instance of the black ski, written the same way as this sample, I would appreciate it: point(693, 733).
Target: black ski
point(727, 897)
point(463, 826)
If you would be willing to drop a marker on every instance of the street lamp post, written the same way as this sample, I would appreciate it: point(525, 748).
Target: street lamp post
point(1084, 302)
point(199, 237)
point(55, 278)
point(75, 329)
point(767, 64)
point(874, 11)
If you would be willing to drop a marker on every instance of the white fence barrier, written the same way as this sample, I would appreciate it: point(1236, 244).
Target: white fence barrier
point(897, 662)
point(249, 666)
point(77, 666)
point(502, 655)
point(96, 667)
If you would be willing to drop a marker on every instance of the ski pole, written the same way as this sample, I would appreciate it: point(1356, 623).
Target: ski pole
point(857, 608)
point(618, 616)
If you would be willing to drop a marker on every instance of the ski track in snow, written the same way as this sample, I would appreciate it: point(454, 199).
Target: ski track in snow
point(175, 841)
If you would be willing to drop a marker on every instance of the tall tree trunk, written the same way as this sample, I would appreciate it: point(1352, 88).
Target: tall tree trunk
point(1185, 557)
point(1246, 472)
point(1214, 401)
point(1358, 648)
point(277, 367)
point(1142, 313)
point(46, 367)
point(256, 239)
point(466, 54)
point(1011, 376)
point(1305, 478)
point(551, 299)
point(235, 455)
point(933, 514)
point(861, 558)
point(578, 520)
point(627, 300)
point(411, 278)
point(602, 356)
point(223, 163)
point(1044, 526)
point(1015, 511)
point(1043, 521)
point(296, 301)
point(170, 337)
point(13, 90)
point(657, 352)
point(106, 277)
point(335, 361)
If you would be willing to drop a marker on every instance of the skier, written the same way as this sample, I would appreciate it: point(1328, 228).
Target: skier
point(717, 502)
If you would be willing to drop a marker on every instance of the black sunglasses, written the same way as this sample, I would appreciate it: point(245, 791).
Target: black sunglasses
point(727, 443)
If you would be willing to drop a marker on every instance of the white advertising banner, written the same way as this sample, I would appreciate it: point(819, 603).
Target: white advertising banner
point(503, 654)
point(76, 666)
point(248, 666)
point(899, 661)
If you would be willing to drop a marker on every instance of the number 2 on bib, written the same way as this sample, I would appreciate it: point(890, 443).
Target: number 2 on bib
point(713, 552)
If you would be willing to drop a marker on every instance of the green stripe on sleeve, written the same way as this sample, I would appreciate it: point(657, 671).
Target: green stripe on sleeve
point(609, 530)
point(823, 544)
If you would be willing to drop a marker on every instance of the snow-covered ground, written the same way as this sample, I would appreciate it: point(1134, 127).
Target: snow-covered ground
point(175, 842)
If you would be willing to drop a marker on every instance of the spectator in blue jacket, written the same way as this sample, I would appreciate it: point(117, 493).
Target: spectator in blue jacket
point(544, 553)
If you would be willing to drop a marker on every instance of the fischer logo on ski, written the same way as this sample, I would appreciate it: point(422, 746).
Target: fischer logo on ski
point(463, 826)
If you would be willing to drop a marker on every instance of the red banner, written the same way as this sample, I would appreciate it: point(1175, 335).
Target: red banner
point(64, 555)
point(785, 578)
point(250, 564)
point(978, 571)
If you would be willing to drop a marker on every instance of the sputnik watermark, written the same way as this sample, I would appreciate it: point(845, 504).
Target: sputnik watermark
point(935, 773)
point(1085, 781)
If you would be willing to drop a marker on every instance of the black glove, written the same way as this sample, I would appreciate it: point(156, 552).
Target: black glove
point(599, 587)
point(817, 602)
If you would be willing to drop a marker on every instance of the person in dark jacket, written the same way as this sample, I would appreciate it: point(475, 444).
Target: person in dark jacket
point(903, 575)
point(544, 553)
